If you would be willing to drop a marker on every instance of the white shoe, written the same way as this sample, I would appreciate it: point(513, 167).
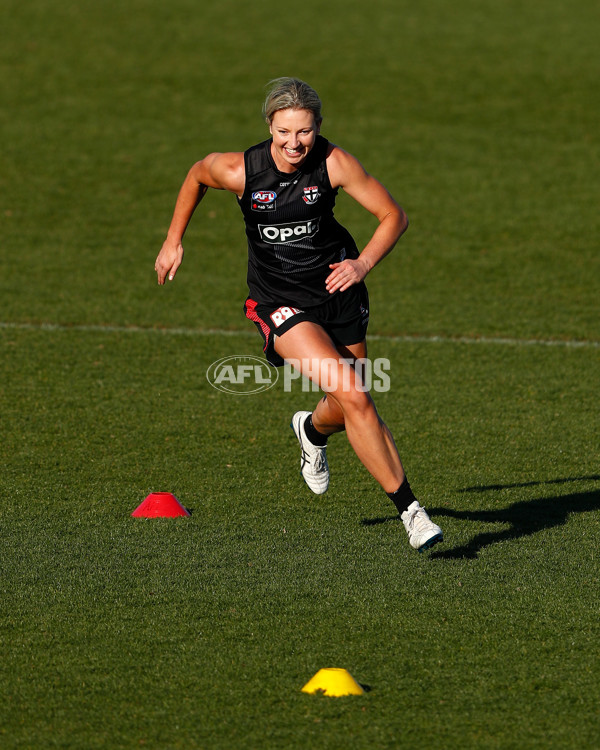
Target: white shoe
point(422, 532)
point(313, 462)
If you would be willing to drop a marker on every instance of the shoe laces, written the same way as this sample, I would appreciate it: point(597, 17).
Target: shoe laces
point(419, 520)
point(316, 460)
point(319, 462)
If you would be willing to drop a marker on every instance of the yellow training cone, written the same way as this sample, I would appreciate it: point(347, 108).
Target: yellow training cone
point(333, 681)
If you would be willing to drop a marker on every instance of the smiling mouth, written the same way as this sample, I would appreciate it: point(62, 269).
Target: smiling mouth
point(293, 151)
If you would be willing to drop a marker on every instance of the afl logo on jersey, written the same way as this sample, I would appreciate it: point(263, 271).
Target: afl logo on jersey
point(264, 200)
point(311, 195)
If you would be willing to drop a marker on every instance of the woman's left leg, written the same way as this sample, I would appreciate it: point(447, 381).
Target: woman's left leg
point(347, 406)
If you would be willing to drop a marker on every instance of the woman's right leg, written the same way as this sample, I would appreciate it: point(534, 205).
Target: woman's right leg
point(346, 405)
point(328, 418)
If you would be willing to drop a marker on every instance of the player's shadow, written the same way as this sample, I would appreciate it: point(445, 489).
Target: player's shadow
point(520, 520)
point(514, 485)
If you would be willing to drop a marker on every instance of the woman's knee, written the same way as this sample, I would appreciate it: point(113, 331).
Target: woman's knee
point(354, 402)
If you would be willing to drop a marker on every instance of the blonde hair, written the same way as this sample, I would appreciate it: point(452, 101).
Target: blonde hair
point(291, 93)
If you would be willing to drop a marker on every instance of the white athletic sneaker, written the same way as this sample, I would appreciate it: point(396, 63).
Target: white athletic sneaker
point(313, 462)
point(422, 532)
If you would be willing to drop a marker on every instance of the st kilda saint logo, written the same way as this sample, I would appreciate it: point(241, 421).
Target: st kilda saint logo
point(311, 195)
point(264, 200)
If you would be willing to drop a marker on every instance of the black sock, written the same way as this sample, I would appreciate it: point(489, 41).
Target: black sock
point(402, 497)
point(311, 432)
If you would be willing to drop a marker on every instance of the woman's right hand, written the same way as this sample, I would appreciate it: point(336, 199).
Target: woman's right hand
point(168, 260)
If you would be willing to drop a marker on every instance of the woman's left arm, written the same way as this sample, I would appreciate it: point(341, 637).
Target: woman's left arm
point(347, 172)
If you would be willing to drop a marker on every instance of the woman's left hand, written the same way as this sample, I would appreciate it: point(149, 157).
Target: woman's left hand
point(345, 274)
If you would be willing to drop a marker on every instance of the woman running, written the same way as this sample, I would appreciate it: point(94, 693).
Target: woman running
point(307, 294)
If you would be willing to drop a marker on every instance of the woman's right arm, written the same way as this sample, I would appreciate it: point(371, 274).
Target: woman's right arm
point(218, 171)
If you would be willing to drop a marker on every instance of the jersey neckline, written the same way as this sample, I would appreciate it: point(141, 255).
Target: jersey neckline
point(309, 159)
point(271, 160)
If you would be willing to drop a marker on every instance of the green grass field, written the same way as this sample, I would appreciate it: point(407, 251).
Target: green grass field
point(481, 118)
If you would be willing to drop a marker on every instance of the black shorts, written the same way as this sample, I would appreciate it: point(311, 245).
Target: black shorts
point(344, 317)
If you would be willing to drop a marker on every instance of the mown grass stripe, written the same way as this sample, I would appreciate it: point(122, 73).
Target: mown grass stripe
point(405, 338)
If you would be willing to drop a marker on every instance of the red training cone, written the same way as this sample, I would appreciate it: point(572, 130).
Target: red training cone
point(160, 505)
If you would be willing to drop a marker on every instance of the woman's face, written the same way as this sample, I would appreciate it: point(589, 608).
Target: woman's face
point(294, 133)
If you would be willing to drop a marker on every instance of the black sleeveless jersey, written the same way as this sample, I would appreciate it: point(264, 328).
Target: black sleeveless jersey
point(291, 230)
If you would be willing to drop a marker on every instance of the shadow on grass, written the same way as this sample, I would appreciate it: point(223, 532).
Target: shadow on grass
point(523, 519)
point(486, 488)
point(376, 521)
